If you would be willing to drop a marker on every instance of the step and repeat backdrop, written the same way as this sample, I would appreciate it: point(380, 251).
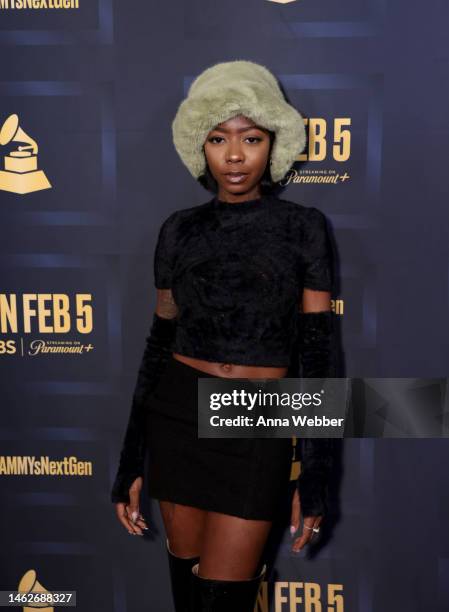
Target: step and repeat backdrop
point(88, 172)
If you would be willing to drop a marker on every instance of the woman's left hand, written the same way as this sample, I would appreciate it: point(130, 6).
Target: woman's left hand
point(309, 523)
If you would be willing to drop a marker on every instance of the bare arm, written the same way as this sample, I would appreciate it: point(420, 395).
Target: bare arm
point(315, 301)
point(165, 304)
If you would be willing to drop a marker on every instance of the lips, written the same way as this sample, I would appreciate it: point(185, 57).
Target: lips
point(236, 177)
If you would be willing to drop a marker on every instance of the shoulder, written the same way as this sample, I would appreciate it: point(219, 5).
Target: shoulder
point(181, 215)
point(306, 216)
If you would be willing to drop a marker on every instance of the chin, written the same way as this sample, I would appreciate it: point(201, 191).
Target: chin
point(237, 189)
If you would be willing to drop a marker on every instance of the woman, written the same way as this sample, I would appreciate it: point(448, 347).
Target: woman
point(238, 279)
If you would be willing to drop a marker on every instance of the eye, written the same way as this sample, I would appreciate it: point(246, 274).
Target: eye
point(212, 138)
point(256, 138)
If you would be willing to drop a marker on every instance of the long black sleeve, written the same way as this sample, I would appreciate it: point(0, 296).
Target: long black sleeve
point(157, 351)
point(317, 455)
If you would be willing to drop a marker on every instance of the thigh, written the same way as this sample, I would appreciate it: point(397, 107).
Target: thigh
point(232, 546)
point(184, 527)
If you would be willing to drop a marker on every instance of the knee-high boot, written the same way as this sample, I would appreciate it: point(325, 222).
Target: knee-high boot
point(181, 579)
point(210, 595)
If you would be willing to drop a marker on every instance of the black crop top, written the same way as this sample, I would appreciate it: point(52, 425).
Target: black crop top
point(236, 271)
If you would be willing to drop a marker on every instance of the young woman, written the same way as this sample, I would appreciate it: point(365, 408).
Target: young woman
point(238, 279)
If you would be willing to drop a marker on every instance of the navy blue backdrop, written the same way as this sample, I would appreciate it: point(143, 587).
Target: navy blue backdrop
point(95, 86)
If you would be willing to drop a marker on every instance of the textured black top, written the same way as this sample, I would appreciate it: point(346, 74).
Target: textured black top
point(236, 271)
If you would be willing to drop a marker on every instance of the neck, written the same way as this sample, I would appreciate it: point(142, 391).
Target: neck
point(250, 203)
point(235, 198)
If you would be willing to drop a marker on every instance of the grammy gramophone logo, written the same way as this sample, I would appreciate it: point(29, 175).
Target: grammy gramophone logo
point(30, 585)
point(21, 174)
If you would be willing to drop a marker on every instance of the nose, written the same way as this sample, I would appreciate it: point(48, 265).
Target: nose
point(234, 153)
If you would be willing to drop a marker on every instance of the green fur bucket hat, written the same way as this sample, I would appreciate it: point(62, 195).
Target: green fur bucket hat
point(232, 88)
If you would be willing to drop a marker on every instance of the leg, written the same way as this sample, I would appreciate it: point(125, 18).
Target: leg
point(232, 546)
point(184, 526)
point(229, 573)
point(183, 529)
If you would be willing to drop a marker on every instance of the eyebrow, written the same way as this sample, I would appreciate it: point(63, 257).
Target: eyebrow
point(244, 129)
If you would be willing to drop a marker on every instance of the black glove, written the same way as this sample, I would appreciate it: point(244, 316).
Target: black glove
point(317, 455)
point(132, 457)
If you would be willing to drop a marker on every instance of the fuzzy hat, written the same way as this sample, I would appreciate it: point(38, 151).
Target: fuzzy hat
point(232, 88)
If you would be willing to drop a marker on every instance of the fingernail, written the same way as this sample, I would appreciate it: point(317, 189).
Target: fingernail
point(145, 528)
point(134, 516)
point(292, 529)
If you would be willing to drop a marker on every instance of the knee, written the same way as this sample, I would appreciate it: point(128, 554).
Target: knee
point(182, 549)
point(184, 533)
point(219, 569)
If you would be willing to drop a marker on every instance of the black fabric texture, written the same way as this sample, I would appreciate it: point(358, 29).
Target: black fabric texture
point(245, 477)
point(159, 346)
point(317, 455)
point(236, 271)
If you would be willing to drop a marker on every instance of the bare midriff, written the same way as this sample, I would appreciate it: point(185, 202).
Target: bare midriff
point(232, 370)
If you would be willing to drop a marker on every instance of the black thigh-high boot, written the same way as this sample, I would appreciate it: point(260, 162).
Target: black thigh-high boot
point(210, 595)
point(181, 579)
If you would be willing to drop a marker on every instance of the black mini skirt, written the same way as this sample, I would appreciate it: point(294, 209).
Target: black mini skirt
point(245, 477)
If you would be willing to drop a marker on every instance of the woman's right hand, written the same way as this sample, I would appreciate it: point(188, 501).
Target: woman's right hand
point(129, 514)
